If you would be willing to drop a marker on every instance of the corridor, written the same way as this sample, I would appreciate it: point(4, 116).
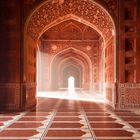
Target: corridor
point(63, 119)
point(87, 46)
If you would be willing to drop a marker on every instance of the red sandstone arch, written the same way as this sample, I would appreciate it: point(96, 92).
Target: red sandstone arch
point(48, 14)
point(74, 54)
point(88, 12)
point(74, 71)
point(71, 62)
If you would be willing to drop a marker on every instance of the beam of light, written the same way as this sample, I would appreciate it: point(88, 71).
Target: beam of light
point(71, 83)
point(39, 63)
point(78, 95)
point(71, 87)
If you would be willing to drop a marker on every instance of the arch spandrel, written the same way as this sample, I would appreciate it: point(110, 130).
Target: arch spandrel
point(85, 10)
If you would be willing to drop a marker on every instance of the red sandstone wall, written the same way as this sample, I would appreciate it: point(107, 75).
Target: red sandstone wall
point(129, 55)
point(10, 47)
point(29, 73)
point(110, 70)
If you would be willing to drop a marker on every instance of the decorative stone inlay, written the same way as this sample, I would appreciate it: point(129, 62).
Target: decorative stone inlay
point(54, 47)
point(85, 10)
point(88, 48)
point(129, 95)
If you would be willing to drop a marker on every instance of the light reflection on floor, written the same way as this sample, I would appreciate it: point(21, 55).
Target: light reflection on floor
point(60, 119)
point(73, 95)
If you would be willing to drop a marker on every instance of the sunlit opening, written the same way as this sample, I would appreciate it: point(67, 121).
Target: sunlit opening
point(79, 96)
point(71, 83)
point(71, 87)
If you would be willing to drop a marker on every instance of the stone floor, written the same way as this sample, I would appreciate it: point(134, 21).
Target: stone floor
point(63, 119)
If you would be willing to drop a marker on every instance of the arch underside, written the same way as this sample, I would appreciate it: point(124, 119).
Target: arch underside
point(49, 13)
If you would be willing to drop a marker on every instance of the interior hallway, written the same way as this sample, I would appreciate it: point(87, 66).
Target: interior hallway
point(62, 119)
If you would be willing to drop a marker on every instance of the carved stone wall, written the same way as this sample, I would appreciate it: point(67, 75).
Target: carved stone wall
point(10, 96)
point(128, 48)
point(10, 47)
point(88, 47)
point(110, 93)
point(129, 96)
point(30, 64)
point(110, 5)
point(129, 62)
point(30, 90)
point(110, 70)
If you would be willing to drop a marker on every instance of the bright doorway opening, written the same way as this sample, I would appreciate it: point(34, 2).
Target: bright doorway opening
point(71, 83)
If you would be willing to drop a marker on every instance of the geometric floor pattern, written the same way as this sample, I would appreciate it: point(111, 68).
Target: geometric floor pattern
point(61, 119)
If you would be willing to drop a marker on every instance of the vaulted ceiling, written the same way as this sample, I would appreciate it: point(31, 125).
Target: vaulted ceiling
point(71, 30)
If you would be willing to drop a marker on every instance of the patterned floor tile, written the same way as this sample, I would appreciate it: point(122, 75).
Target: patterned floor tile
point(106, 125)
point(58, 119)
point(26, 125)
point(66, 125)
point(66, 133)
point(112, 133)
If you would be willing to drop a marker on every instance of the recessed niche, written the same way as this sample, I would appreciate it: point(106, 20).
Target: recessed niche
point(129, 44)
point(129, 13)
point(129, 28)
point(129, 75)
point(129, 60)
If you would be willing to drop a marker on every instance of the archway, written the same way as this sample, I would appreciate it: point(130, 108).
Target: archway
point(71, 71)
point(89, 13)
point(71, 67)
point(66, 59)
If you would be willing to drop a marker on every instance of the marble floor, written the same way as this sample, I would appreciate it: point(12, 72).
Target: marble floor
point(70, 119)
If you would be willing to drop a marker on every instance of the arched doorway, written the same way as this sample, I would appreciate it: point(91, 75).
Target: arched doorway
point(71, 61)
point(71, 83)
point(70, 74)
point(90, 14)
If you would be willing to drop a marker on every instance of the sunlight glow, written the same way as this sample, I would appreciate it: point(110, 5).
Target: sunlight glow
point(78, 95)
point(71, 83)
point(71, 87)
